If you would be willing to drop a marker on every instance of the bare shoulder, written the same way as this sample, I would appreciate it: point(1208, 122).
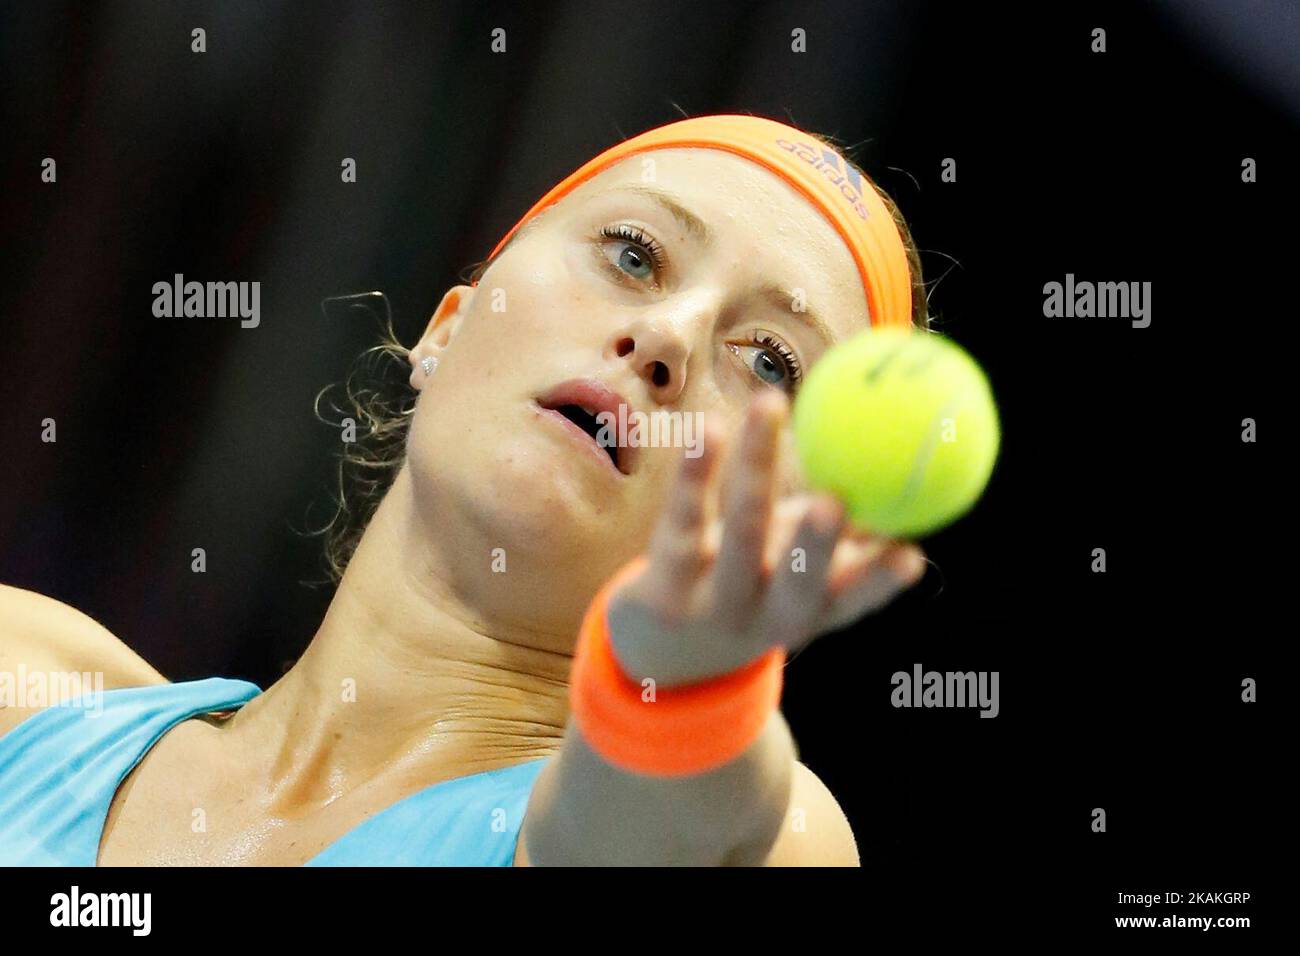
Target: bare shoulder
point(41, 637)
point(815, 831)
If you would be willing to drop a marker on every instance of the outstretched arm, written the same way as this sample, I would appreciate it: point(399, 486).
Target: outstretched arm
point(712, 597)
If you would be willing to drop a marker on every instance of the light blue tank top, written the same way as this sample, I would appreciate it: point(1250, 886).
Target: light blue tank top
point(60, 768)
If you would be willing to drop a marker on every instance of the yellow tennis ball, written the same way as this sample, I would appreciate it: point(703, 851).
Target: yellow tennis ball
point(902, 426)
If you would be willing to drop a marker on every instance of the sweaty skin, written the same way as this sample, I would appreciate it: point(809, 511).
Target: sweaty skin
point(460, 669)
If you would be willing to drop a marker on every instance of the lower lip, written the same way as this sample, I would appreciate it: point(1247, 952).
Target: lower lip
point(580, 436)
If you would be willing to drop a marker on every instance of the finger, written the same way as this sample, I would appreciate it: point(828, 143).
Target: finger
point(798, 595)
point(747, 510)
point(788, 513)
point(677, 553)
point(872, 581)
point(855, 552)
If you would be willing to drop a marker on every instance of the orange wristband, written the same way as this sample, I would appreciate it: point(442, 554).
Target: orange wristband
point(684, 730)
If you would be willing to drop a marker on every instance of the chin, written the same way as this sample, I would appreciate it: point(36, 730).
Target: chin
point(556, 507)
point(544, 509)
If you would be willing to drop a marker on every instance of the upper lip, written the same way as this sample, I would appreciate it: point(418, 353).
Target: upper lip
point(596, 397)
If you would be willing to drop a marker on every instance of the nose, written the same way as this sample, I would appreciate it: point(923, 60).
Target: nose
point(658, 351)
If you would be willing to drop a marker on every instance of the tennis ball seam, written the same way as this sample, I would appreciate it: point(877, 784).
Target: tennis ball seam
point(916, 477)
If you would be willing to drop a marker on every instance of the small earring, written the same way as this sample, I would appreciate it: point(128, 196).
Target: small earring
point(428, 363)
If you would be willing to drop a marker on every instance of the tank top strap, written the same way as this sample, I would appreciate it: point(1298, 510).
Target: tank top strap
point(60, 768)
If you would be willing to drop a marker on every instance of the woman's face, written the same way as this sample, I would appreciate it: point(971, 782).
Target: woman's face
point(675, 280)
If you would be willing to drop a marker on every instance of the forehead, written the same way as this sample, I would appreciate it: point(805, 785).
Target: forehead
point(758, 223)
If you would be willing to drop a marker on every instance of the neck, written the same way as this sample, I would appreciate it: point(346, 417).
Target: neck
point(404, 679)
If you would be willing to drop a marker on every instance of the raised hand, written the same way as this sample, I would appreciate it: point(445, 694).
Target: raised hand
point(716, 594)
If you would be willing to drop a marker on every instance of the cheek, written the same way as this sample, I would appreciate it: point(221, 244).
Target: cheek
point(447, 432)
point(545, 290)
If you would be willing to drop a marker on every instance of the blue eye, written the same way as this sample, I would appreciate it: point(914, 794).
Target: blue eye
point(638, 255)
point(770, 359)
point(635, 263)
point(763, 364)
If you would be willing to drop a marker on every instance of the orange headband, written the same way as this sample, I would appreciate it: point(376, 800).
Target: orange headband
point(820, 175)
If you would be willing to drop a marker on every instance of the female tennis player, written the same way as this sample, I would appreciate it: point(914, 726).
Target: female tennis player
point(544, 649)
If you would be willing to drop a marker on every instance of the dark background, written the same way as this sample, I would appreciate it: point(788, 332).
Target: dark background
point(1119, 690)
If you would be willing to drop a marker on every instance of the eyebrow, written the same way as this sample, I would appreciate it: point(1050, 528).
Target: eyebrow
point(782, 299)
point(692, 223)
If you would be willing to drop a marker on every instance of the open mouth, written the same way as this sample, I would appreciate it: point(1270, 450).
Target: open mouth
point(578, 403)
point(585, 419)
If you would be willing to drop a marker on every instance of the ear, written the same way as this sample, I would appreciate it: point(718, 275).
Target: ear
point(441, 329)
